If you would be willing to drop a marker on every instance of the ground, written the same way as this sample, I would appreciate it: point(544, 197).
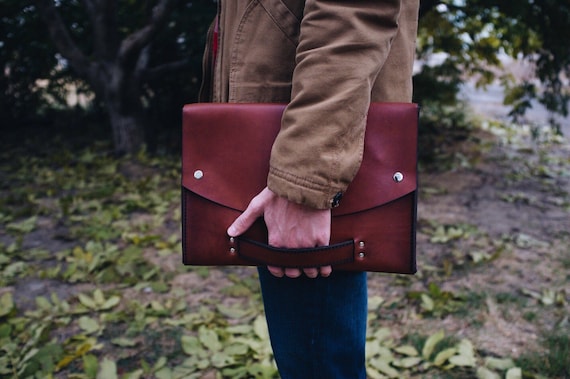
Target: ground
point(493, 256)
point(514, 209)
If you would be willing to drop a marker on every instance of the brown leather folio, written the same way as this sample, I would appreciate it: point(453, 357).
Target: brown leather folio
point(225, 161)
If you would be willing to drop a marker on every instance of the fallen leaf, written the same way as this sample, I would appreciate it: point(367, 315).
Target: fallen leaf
point(407, 350)
point(444, 355)
point(431, 342)
point(88, 324)
point(514, 373)
point(485, 373)
point(501, 364)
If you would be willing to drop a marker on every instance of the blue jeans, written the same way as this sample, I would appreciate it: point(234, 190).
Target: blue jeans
point(317, 326)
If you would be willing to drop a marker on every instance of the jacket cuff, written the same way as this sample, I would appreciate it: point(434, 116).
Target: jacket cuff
point(303, 192)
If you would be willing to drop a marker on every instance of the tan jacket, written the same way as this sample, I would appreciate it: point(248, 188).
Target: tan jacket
point(328, 60)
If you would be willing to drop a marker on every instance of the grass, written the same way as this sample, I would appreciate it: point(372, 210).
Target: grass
point(555, 361)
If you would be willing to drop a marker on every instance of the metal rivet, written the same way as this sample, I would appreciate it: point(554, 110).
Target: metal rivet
point(398, 177)
point(232, 239)
point(361, 255)
point(232, 250)
point(361, 244)
point(198, 174)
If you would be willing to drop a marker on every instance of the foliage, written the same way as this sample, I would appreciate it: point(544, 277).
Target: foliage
point(473, 35)
point(141, 60)
point(26, 55)
point(99, 234)
point(556, 362)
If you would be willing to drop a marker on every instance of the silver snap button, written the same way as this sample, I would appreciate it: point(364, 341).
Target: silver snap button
point(398, 177)
point(361, 255)
point(198, 174)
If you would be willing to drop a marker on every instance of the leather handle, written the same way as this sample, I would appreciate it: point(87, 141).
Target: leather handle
point(262, 253)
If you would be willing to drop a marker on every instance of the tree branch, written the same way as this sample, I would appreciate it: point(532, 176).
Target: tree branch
point(134, 43)
point(62, 39)
point(103, 18)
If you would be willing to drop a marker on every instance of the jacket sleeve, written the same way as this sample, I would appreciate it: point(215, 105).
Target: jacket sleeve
point(343, 45)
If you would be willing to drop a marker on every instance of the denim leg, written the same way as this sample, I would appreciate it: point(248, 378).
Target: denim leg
point(317, 326)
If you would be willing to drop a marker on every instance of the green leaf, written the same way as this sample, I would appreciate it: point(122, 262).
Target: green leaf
point(485, 373)
point(239, 329)
point(221, 360)
point(190, 345)
point(4, 259)
point(466, 354)
point(234, 312)
point(5, 368)
point(90, 365)
point(374, 302)
point(462, 361)
point(29, 355)
point(111, 302)
point(137, 374)
point(5, 330)
point(24, 226)
point(88, 324)
point(6, 304)
point(372, 373)
point(108, 370)
point(501, 364)
point(431, 343)
point(164, 373)
point(234, 372)
point(443, 356)
point(385, 368)
point(383, 334)
point(261, 371)
point(372, 348)
point(87, 301)
point(160, 363)
point(98, 297)
point(156, 306)
point(260, 328)
point(43, 303)
point(427, 302)
point(237, 349)
point(514, 373)
point(124, 342)
point(408, 362)
point(209, 339)
point(408, 350)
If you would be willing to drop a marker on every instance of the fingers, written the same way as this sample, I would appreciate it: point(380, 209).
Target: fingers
point(289, 225)
point(325, 271)
point(311, 272)
point(276, 271)
point(294, 273)
point(314, 272)
point(246, 219)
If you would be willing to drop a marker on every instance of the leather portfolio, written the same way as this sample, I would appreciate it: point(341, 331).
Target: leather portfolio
point(225, 162)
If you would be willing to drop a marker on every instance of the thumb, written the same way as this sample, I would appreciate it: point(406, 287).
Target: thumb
point(241, 224)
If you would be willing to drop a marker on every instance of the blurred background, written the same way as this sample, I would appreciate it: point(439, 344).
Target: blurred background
point(101, 67)
point(91, 283)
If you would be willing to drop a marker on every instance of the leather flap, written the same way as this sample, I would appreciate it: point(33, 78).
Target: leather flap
point(226, 149)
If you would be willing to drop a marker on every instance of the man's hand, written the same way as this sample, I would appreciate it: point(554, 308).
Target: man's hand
point(290, 225)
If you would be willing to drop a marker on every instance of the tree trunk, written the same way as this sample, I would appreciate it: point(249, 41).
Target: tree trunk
point(118, 68)
point(128, 133)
